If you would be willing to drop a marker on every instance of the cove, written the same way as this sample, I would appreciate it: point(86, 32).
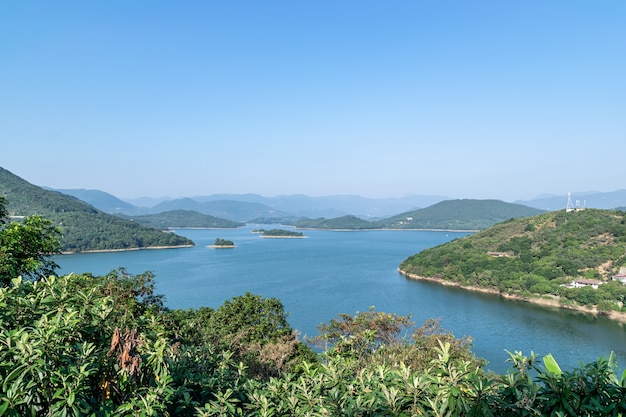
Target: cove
point(333, 272)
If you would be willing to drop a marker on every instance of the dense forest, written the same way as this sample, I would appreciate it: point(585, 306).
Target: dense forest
point(82, 227)
point(220, 242)
point(184, 218)
point(107, 346)
point(279, 233)
point(537, 256)
point(344, 222)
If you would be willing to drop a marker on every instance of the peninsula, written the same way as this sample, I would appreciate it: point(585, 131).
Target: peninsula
point(565, 259)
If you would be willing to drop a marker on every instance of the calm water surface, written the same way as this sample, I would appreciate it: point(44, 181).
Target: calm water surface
point(333, 272)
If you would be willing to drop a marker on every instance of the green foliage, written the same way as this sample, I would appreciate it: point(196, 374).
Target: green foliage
point(280, 233)
point(57, 353)
point(458, 214)
point(256, 330)
point(590, 390)
point(253, 329)
point(4, 213)
point(223, 242)
point(83, 345)
point(344, 222)
point(82, 227)
point(101, 231)
point(183, 218)
point(360, 336)
point(252, 318)
point(547, 250)
point(26, 247)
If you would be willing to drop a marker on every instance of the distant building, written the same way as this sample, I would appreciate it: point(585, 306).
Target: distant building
point(582, 282)
point(501, 254)
point(619, 277)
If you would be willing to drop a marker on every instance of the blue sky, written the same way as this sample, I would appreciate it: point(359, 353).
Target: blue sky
point(467, 99)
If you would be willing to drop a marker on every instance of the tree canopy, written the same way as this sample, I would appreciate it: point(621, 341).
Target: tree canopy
point(26, 247)
point(536, 255)
point(82, 227)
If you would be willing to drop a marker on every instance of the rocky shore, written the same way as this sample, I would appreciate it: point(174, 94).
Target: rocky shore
point(552, 302)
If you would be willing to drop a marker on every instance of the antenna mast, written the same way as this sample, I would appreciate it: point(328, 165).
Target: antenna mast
point(570, 205)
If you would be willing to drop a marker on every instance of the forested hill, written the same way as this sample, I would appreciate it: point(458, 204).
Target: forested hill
point(536, 255)
point(344, 222)
point(449, 215)
point(459, 214)
point(184, 218)
point(83, 227)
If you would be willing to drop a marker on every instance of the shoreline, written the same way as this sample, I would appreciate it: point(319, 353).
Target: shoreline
point(125, 249)
point(284, 237)
point(390, 230)
point(551, 303)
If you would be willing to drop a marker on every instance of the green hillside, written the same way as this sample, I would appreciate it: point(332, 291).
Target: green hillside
point(83, 227)
point(344, 222)
point(450, 215)
point(536, 255)
point(459, 214)
point(184, 218)
point(279, 233)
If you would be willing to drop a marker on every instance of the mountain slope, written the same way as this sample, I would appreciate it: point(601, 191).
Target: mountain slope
point(458, 214)
point(102, 201)
point(451, 214)
point(536, 255)
point(344, 222)
point(331, 206)
point(83, 226)
point(183, 218)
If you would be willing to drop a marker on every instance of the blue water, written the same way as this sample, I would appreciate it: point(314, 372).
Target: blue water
point(332, 272)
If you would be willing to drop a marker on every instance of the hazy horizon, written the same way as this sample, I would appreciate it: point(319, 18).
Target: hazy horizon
point(574, 195)
point(484, 100)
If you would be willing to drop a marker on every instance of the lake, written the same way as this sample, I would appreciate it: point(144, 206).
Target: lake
point(333, 272)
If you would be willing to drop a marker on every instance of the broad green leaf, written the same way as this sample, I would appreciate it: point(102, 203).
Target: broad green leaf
point(551, 365)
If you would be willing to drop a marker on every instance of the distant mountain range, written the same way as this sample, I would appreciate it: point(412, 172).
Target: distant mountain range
point(251, 207)
point(447, 214)
point(246, 207)
point(77, 210)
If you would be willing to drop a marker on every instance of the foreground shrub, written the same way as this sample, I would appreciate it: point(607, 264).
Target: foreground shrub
point(83, 345)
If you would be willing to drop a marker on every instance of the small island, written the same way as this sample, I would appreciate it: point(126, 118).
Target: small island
point(222, 243)
point(279, 233)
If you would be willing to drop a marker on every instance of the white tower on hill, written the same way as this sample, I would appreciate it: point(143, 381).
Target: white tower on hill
point(570, 205)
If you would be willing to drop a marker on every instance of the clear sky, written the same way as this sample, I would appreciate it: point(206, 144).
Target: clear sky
point(466, 99)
